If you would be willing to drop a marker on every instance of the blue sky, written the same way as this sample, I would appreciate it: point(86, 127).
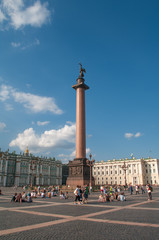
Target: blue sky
point(41, 45)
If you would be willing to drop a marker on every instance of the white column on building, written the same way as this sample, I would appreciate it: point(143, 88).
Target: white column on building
point(49, 175)
point(1, 171)
point(57, 171)
point(5, 173)
point(17, 172)
point(132, 170)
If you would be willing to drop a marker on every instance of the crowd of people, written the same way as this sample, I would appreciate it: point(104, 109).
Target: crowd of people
point(107, 194)
point(144, 189)
point(81, 194)
point(22, 197)
point(34, 193)
point(111, 194)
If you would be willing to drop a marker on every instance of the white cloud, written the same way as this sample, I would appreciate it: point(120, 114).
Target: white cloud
point(5, 92)
point(33, 103)
point(15, 45)
point(2, 16)
point(8, 107)
point(138, 134)
point(132, 135)
point(89, 135)
point(71, 156)
point(2, 126)
point(19, 15)
point(42, 123)
point(52, 139)
point(24, 46)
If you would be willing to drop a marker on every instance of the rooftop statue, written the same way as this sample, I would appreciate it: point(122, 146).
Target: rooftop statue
point(82, 70)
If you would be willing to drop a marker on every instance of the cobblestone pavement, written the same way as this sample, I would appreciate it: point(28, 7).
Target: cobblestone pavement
point(136, 218)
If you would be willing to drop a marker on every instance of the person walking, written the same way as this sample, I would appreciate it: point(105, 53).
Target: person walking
point(137, 189)
point(149, 191)
point(77, 195)
point(131, 189)
point(142, 189)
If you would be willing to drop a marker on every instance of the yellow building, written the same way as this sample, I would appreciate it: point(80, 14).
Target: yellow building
point(138, 171)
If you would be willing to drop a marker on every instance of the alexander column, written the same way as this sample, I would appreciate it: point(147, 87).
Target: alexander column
point(78, 169)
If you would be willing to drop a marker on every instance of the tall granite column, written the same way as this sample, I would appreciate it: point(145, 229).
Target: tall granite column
point(78, 169)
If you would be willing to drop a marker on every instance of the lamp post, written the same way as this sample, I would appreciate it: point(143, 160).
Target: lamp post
point(32, 168)
point(90, 163)
point(125, 168)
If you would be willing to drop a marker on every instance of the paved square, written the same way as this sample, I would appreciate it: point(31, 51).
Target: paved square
point(135, 218)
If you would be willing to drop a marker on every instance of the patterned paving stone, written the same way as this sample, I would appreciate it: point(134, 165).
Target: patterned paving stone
point(15, 205)
point(95, 220)
point(150, 205)
point(72, 210)
point(15, 219)
point(85, 230)
point(133, 215)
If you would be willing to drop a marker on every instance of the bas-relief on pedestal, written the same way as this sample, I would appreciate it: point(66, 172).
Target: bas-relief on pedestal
point(79, 171)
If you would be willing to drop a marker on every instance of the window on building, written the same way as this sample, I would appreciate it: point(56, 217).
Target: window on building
point(146, 171)
point(120, 182)
point(120, 171)
point(115, 177)
point(106, 178)
point(98, 173)
point(153, 170)
point(111, 172)
point(94, 173)
point(106, 172)
point(129, 171)
point(115, 172)
point(134, 170)
point(106, 167)
point(106, 182)
point(102, 173)
point(115, 182)
point(102, 167)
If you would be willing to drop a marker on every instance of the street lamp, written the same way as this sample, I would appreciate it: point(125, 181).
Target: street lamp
point(125, 168)
point(32, 168)
point(90, 163)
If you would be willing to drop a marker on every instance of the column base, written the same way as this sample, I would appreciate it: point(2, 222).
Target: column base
point(79, 173)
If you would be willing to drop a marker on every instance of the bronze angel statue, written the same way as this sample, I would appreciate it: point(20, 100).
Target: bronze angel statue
point(82, 70)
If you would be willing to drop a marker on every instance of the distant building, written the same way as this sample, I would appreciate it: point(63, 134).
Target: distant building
point(139, 171)
point(24, 169)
